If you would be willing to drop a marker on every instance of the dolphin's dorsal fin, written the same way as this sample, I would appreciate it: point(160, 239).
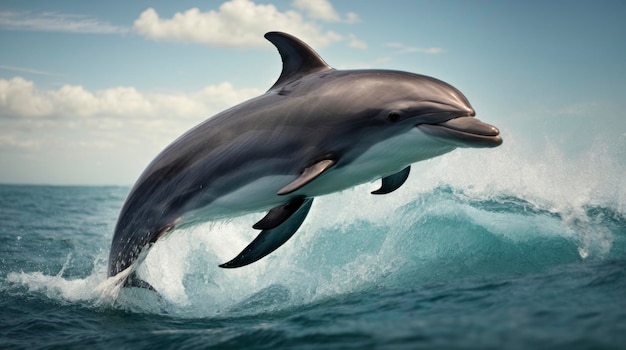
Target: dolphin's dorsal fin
point(299, 59)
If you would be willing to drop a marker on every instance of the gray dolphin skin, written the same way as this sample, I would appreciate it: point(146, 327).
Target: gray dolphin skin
point(316, 131)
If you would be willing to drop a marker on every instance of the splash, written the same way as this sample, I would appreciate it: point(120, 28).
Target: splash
point(57, 286)
point(569, 187)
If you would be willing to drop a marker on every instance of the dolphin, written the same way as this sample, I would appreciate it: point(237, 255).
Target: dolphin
point(316, 131)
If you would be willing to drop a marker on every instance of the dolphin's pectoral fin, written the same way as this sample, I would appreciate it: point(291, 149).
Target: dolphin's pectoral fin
point(270, 239)
point(308, 174)
point(393, 182)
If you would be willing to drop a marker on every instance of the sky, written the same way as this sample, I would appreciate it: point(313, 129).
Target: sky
point(92, 91)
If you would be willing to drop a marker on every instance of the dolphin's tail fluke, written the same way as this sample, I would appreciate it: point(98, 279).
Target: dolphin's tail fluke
point(134, 281)
point(128, 277)
point(110, 288)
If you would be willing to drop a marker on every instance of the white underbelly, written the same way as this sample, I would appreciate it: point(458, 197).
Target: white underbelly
point(258, 195)
point(382, 159)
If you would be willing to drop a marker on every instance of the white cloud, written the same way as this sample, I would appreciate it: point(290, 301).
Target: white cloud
point(356, 43)
point(323, 10)
point(20, 98)
point(318, 9)
point(30, 117)
point(11, 142)
point(237, 23)
point(74, 135)
point(402, 48)
point(56, 22)
point(352, 18)
point(26, 70)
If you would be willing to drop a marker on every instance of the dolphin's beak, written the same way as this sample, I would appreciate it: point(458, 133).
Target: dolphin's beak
point(465, 132)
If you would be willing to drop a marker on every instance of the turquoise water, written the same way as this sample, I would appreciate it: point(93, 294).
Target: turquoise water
point(518, 254)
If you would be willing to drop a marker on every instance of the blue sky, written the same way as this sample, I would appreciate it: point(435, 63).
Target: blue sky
point(91, 91)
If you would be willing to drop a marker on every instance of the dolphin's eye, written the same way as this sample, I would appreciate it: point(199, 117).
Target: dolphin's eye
point(394, 116)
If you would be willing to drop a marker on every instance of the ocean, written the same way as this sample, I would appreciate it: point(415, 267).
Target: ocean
point(480, 249)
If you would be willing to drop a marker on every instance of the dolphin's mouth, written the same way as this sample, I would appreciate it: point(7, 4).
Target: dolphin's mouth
point(465, 132)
